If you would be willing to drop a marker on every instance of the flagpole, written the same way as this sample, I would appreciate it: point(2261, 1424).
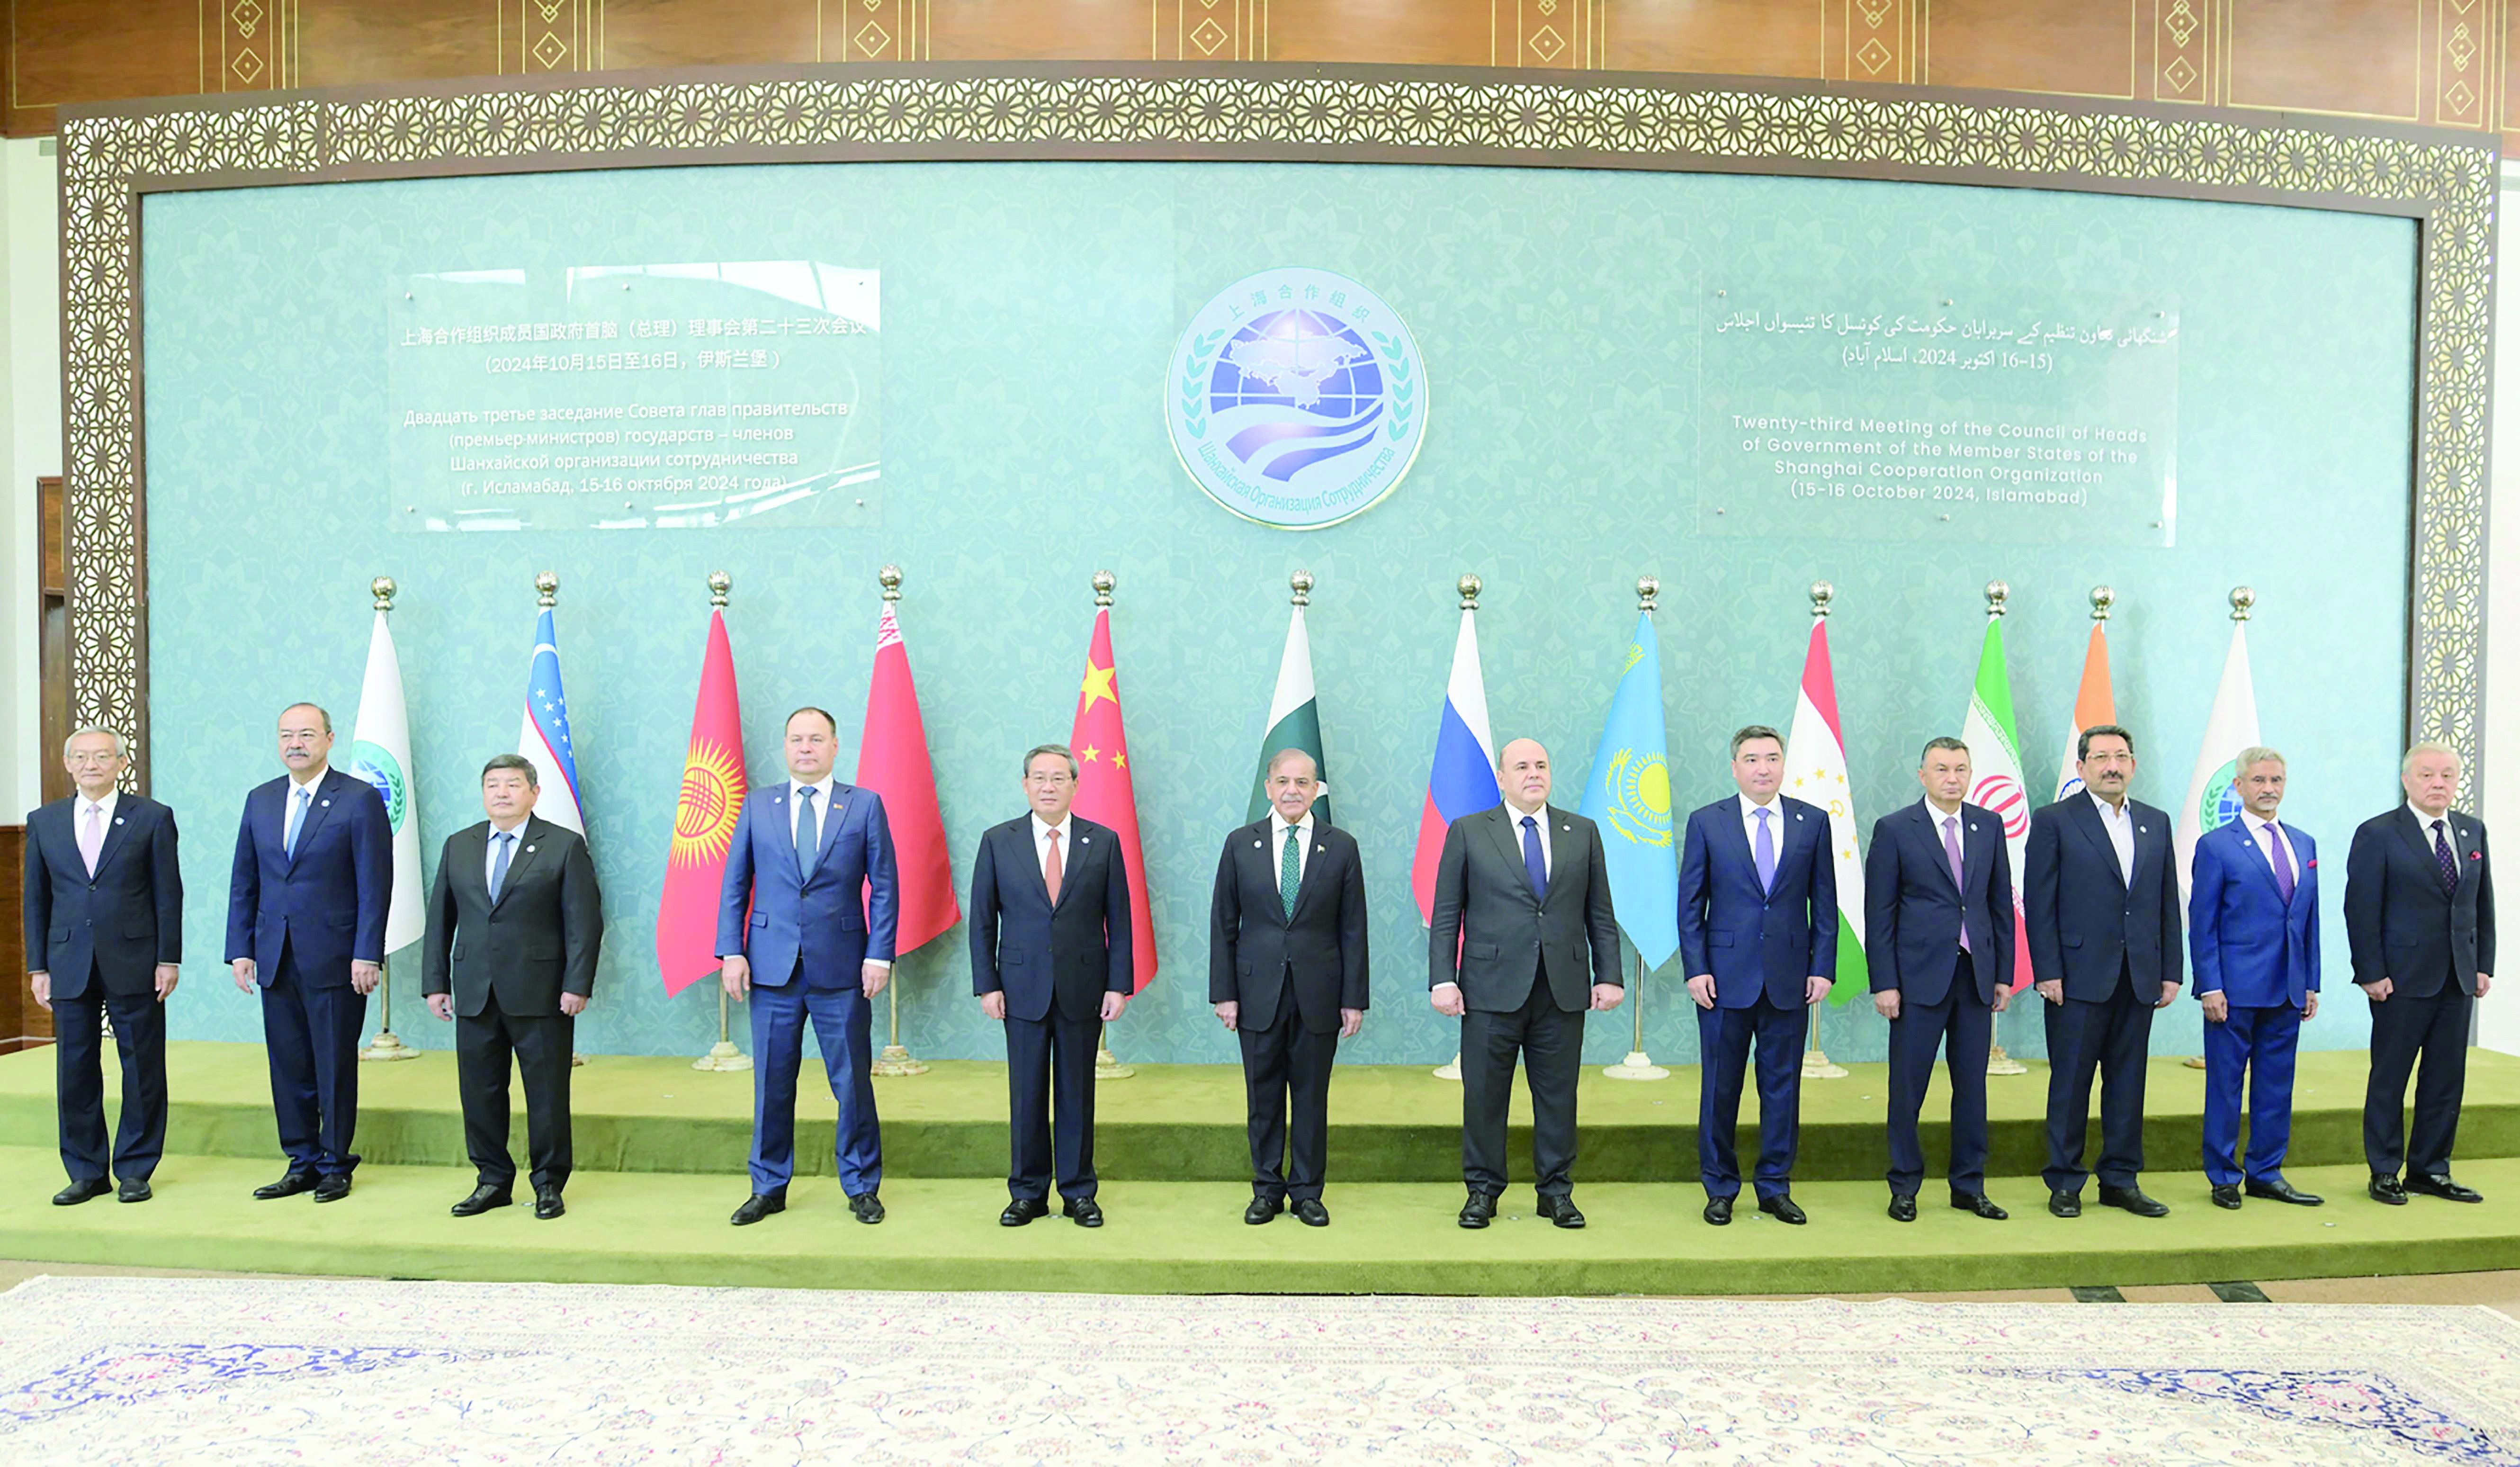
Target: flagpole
point(723, 1057)
point(1998, 1061)
point(1107, 1065)
point(2242, 599)
point(1816, 1062)
point(545, 597)
point(1638, 1065)
point(1468, 585)
point(894, 1060)
point(387, 1045)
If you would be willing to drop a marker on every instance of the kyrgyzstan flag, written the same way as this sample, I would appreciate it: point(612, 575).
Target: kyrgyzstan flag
point(892, 761)
point(703, 822)
point(1103, 793)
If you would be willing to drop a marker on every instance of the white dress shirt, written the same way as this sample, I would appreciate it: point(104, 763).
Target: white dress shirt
point(2426, 821)
point(289, 800)
point(2258, 829)
point(1067, 828)
point(1776, 808)
point(490, 858)
point(104, 811)
point(1514, 812)
point(1303, 843)
point(2119, 822)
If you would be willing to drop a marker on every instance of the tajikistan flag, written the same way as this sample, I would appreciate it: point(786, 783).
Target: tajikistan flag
point(2230, 728)
point(1294, 720)
point(1816, 773)
point(381, 755)
point(1995, 768)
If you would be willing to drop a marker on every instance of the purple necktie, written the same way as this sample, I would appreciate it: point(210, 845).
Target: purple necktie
point(1952, 850)
point(2449, 862)
point(1764, 852)
point(2282, 863)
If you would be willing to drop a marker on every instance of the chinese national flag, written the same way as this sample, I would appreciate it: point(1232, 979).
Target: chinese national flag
point(1103, 793)
point(892, 761)
point(703, 822)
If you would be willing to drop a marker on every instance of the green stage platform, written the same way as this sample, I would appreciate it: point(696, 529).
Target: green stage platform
point(660, 1154)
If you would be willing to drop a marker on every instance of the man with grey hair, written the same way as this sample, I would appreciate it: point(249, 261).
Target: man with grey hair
point(1051, 959)
point(105, 934)
point(2419, 921)
point(2252, 935)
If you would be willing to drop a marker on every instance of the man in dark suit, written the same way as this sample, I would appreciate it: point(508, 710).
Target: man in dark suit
point(1758, 938)
point(1522, 911)
point(307, 898)
point(2101, 902)
point(1938, 941)
point(515, 924)
point(2420, 920)
point(1051, 959)
point(2253, 931)
point(105, 932)
point(811, 859)
point(1287, 971)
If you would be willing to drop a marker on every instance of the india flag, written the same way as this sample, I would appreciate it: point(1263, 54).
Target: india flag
point(2232, 727)
point(1816, 772)
point(2094, 706)
point(381, 755)
point(1995, 764)
point(1294, 719)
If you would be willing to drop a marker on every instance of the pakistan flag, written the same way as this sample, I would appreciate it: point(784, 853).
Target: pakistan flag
point(1294, 720)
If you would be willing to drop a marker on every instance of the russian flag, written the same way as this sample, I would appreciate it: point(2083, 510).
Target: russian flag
point(545, 739)
point(1463, 777)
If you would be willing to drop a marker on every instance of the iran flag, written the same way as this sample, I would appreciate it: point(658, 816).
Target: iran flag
point(1995, 772)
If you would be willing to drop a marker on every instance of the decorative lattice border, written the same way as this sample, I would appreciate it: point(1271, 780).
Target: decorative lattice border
point(111, 155)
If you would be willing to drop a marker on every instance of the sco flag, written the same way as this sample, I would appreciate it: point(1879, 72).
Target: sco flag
point(713, 788)
point(2232, 727)
point(381, 755)
point(1816, 772)
point(1994, 767)
point(1627, 795)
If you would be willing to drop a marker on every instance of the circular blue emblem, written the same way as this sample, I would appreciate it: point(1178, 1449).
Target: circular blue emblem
point(1297, 398)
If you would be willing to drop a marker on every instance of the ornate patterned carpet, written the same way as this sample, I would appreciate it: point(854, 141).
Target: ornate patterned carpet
point(158, 1372)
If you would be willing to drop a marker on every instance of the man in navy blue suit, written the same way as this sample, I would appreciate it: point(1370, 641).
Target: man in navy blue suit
point(1051, 959)
point(105, 934)
point(1758, 938)
point(1938, 941)
point(2253, 931)
point(2100, 907)
point(811, 859)
point(2419, 921)
point(306, 923)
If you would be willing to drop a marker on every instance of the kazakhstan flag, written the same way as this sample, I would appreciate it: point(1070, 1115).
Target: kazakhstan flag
point(1629, 795)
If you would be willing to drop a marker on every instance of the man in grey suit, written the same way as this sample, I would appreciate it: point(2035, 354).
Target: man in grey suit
point(515, 924)
point(1521, 894)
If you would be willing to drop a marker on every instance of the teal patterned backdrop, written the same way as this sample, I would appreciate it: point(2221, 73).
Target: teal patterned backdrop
point(1028, 314)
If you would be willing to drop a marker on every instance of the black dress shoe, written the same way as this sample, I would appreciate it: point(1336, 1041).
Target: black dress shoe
point(2283, 1191)
point(78, 1192)
point(758, 1206)
point(2442, 1187)
point(2227, 1195)
point(1561, 1210)
point(1479, 1210)
point(2133, 1200)
point(547, 1203)
point(1021, 1211)
point(1719, 1211)
point(288, 1187)
point(1084, 1212)
point(133, 1189)
point(333, 1188)
point(2388, 1189)
point(1781, 1208)
point(484, 1197)
point(1311, 1213)
point(1263, 1210)
point(2065, 1204)
point(867, 1208)
point(1903, 1207)
point(1980, 1203)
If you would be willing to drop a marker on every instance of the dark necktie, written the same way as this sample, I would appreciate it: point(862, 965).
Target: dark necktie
point(2449, 862)
point(1290, 874)
point(809, 833)
point(2283, 864)
point(1535, 865)
point(1952, 854)
point(499, 861)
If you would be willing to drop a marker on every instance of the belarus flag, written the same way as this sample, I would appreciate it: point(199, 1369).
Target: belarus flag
point(1463, 777)
point(892, 761)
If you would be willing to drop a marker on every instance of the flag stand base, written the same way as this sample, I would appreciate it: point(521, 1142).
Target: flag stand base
point(1999, 1063)
point(1815, 1065)
point(576, 1059)
point(1107, 1066)
point(1637, 1066)
point(2194, 1062)
point(723, 1056)
point(1451, 1069)
point(896, 1060)
point(387, 1046)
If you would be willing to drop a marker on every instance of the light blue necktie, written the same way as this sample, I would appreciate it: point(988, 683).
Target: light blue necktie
point(296, 821)
point(499, 861)
point(1764, 852)
point(809, 833)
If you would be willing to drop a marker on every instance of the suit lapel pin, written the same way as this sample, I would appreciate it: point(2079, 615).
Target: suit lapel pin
point(1255, 845)
point(530, 850)
point(2141, 829)
point(118, 819)
point(327, 804)
point(1084, 840)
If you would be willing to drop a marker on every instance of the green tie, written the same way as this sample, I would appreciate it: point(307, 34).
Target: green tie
point(1290, 874)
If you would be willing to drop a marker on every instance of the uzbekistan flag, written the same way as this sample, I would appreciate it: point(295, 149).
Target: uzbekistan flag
point(1463, 777)
point(1106, 793)
point(545, 739)
point(704, 815)
point(1816, 772)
